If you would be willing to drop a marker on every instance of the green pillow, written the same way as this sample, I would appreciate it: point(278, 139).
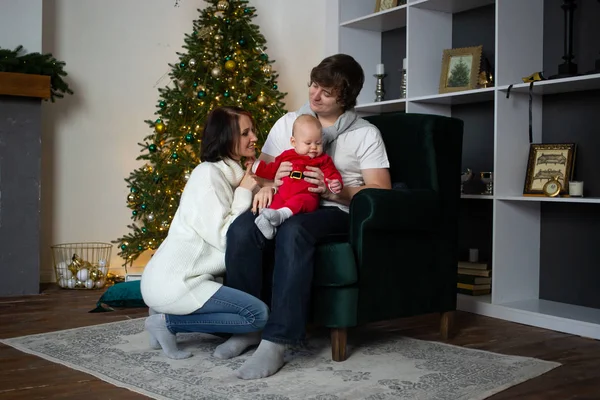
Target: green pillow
point(123, 294)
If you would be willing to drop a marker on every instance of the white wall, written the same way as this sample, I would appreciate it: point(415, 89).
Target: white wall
point(21, 24)
point(116, 53)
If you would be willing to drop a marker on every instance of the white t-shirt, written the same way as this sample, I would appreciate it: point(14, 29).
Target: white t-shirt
point(351, 152)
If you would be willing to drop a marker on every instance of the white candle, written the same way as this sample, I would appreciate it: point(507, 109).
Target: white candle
point(404, 63)
point(380, 70)
point(576, 188)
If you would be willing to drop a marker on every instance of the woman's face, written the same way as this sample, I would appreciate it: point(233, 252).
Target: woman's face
point(323, 101)
point(247, 140)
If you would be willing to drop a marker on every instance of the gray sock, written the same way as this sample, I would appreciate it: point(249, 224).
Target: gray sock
point(266, 360)
point(276, 217)
point(154, 345)
point(236, 345)
point(264, 226)
point(157, 326)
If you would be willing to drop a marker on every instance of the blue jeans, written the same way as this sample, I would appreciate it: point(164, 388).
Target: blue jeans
point(294, 255)
point(227, 311)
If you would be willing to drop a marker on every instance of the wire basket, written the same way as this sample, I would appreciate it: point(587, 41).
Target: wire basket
point(81, 265)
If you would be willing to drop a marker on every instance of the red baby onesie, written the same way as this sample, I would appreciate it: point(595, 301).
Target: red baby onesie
point(294, 193)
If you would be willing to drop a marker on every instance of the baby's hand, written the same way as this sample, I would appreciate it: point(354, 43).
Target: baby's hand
point(335, 186)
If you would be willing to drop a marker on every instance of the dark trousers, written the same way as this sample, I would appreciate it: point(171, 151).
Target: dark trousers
point(293, 254)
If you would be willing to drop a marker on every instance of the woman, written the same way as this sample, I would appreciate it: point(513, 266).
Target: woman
point(178, 284)
point(359, 154)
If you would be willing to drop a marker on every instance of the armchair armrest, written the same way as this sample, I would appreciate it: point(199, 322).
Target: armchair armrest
point(393, 210)
point(394, 236)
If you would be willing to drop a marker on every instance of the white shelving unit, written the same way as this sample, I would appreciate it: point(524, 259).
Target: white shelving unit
point(518, 52)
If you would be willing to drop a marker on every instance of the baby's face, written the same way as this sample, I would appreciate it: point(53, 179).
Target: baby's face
point(308, 140)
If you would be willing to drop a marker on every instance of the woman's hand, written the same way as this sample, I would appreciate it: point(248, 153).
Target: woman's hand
point(250, 161)
point(284, 170)
point(262, 199)
point(249, 181)
point(315, 176)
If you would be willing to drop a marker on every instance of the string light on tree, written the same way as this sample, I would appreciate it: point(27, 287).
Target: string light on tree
point(224, 63)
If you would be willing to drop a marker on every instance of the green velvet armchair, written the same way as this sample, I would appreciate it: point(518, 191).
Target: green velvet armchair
point(401, 255)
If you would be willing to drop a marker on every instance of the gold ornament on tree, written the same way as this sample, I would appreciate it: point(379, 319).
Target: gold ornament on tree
point(222, 5)
point(230, 65)
point(160, 127)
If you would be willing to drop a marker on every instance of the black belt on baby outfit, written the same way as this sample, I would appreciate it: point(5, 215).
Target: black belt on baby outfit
point(296, 175)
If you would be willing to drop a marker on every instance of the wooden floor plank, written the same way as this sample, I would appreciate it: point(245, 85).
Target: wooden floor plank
point(23, 376)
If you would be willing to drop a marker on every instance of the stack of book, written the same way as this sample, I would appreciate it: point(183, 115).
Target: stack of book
point(474, 279)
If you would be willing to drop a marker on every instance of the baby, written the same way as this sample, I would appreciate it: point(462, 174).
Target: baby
point(293, 196)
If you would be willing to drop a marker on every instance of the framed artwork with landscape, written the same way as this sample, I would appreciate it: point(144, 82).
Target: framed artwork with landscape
point(460, 69)
point(546, 162)
point(381, 5)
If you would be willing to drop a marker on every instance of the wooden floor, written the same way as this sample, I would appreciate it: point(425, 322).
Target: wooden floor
point(24, 376)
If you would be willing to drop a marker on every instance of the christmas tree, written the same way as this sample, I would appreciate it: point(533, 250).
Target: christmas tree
point(224, 64)
point(459, 76)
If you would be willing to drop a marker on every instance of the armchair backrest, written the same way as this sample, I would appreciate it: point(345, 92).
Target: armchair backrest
point(424, 150)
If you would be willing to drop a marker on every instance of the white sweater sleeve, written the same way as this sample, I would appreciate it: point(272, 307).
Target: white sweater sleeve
point(218, 217)
point(213, 207)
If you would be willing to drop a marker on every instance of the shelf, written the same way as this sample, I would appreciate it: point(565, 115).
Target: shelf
point(477, 196)
point(467, 299)
point(383, 106)
point(454, 98)
point(551, 199)
point(555, 86)
point(25, 85)
point(450, 6)
point(561, 317)
point(382, 21)
point(516, 228)
point(464, 97)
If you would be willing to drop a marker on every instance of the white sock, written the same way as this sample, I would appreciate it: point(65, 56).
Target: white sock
point(276, 217)
point(157, 326)
point(154, 345)
point(236, 345)
point(264, 226)
point(266, 360)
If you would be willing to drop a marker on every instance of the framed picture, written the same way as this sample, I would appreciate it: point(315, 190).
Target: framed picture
point(460, 69)
point(548, 161)
point(381, 5)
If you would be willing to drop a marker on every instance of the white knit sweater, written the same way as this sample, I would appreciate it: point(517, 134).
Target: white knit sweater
point(179, 278)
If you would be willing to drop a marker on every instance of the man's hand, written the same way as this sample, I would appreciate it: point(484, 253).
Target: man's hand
point(262, 199)
point(334, 185)
point(315, 176)
point(284, 170)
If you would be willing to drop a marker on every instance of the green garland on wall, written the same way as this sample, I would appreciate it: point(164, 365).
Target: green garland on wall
point(37, 64)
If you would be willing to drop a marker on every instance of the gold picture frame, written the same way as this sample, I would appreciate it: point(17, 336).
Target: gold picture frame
point(547, 161)
point(382, 5)
point(460, 69)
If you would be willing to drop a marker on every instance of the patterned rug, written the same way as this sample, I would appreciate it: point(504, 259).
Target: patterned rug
point(384, 368)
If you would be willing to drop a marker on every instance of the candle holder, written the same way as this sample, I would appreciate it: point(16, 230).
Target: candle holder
point(568, 68)
point(488, 179)
point(379, 90)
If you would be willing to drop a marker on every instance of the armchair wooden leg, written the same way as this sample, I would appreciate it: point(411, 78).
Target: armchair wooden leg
point(338, 344)
point(447, 325)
